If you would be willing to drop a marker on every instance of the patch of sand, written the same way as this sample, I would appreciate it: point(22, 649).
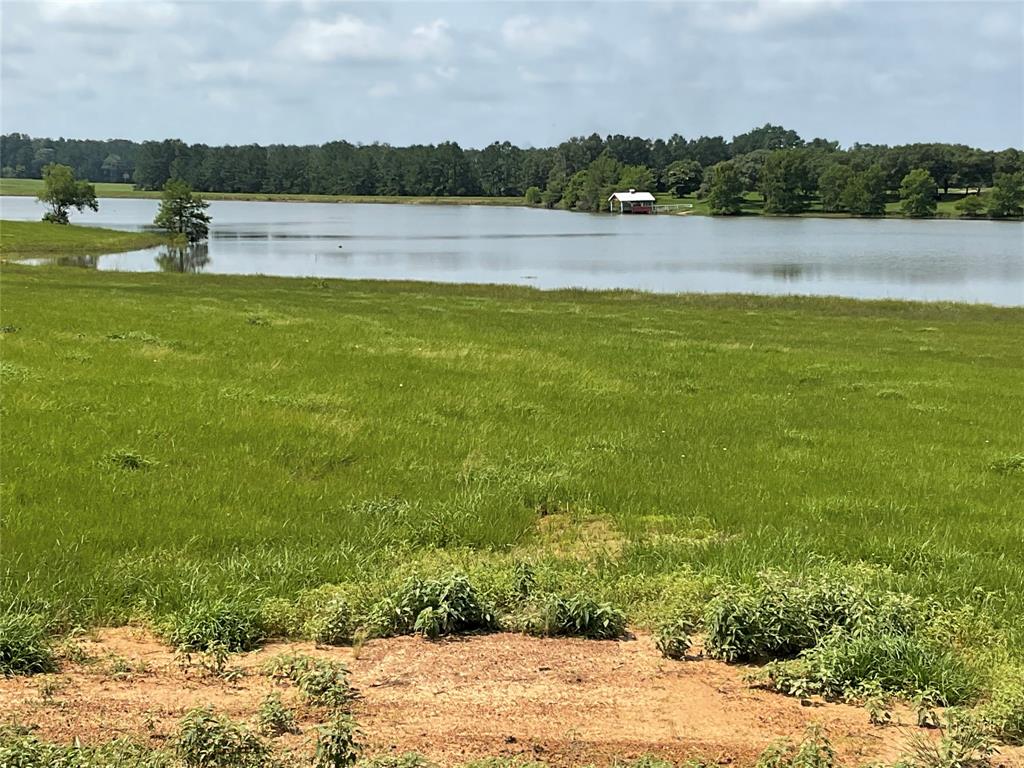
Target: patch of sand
point(561, 701)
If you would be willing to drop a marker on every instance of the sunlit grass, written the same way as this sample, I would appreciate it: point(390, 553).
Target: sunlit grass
point(26, 239)
point(157, 445)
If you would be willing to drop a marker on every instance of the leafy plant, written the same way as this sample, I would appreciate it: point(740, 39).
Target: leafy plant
point(433, 608)
point(576, 616)
point(20, 749)
point(333, 624)
point(965, 743)
point(673, 639)
point(205, 740)
point(129, 460)
point(815, 751)
point(274, 718)
point(337, 743)
point(25, 645)
point(322, 682)
point(228, 623)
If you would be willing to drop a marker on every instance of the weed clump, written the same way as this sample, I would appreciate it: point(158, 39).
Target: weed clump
point(129, 460)
point(815, 751)
point(433, 608)
point(19, 749)
point(673, 639)
point(337, 743)
point(552, 615)
point(1008, 464)
point(223, 623)
point(25, 645)
point(1003, 713)
point(778, 618)
point(333, 624)
point(206, 740)
point(322, 682)
point(845, 665)
point(274, 718)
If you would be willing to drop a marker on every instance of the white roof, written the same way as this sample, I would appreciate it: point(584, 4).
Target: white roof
point(633, 197)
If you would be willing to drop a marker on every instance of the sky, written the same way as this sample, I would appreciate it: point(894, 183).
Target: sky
point(534, 73)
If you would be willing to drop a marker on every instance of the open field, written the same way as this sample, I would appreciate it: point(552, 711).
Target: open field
point(32, 187)
point(223, 460)
point(306, 431)
point(25, 239)
point(754, 202)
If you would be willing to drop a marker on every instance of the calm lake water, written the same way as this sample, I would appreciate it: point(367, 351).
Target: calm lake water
point(975, 261)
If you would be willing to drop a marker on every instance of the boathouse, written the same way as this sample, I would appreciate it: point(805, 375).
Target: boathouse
point(632, 202)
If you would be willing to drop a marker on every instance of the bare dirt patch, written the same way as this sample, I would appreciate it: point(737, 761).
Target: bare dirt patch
point(561, 701)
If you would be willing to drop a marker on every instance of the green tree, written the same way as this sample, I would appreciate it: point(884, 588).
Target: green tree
point(725, 190)
point(62, 192)
point(684, 177)
point(533, 196)
point(971, 207)
point(864, 194)
point(1007, 196)
point(831, 185)
point(638, 177)
point(183, 212)
point(786, 182)
point(918, 193)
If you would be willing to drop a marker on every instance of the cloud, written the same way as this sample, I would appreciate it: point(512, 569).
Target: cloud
point(351, 38)
point(219, 71)
point(544, 36)
point(382, 90)
point(758, 15)
point(108, 13)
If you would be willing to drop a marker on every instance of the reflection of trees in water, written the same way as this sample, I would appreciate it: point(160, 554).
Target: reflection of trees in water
point(184, 258)
point(85, 260)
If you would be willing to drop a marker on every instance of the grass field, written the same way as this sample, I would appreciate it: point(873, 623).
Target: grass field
point(27, 187)
point(25, 239)
point(166, 437)
point(754, 203)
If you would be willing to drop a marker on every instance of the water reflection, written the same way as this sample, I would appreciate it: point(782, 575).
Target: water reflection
point(184, 258)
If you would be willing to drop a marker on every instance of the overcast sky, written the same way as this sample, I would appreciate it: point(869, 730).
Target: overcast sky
point(535, 73)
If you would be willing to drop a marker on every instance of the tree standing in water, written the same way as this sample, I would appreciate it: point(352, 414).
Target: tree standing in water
point(183, 212)
point(62, 192)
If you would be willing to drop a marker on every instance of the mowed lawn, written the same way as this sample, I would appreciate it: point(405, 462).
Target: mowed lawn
point(169, 435)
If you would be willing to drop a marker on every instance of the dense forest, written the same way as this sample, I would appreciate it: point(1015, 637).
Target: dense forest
point(786, 169)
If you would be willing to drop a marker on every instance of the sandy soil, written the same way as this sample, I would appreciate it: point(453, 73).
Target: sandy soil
point(564, 702)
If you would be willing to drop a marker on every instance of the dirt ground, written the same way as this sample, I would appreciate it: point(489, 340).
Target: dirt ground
point(566, 702)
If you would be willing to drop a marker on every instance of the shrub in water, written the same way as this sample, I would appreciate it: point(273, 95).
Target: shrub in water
point(235, 625)
point(205, 740)
point(24, 645)
point(576, 616)
point(433, 608)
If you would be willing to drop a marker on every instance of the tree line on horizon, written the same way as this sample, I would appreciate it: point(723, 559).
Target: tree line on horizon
point(579, 173)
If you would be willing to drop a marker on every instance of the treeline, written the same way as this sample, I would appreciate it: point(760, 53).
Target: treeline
point(578, 173)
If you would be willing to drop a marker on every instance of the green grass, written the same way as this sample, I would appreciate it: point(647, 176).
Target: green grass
point(32, 187)
point(614, 439)
point(753, 204)
point(26, 239)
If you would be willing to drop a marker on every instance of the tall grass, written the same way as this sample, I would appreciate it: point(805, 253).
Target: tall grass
point(371, 427)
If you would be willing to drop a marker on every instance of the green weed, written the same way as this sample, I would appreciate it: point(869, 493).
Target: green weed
point(574, 616)
point(206, 740)
point(322, 682)
point(228, 624)
point(129, 460)
point(274, 718)
point(20, 749)
point(337, 743)
point(1008, 464)
point(673, 639)
point(432, 608)
point(25, 646)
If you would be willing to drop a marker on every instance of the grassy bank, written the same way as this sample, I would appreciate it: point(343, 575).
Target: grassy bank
point(169, 437)
point(753, 202)
point(32, 187)
point(26, 239)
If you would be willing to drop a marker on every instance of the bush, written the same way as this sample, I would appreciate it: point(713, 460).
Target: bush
point(229, 623)
point(971, 207)
point(673, 639)
point(205, 740)
point(337, 743)
point(433, 608)
point(815, 751)
point(18, 749)
point(533, 196)
point(1003, 714)
point(274, 718)
point(332, 625)
point(845, 664)
point(25, 645)
point(578, 616)
point(322, 682)
point(777, 618)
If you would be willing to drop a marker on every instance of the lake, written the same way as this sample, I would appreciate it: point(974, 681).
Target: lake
point(973, 261)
